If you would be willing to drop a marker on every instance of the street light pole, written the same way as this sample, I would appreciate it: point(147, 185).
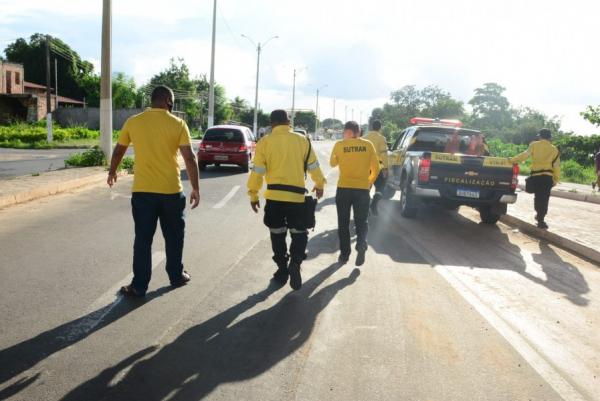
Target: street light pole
point(293, 100)
point(345, 113)
point(259, 48)
point(105, 81)
point(211, 90)
point(317, 109)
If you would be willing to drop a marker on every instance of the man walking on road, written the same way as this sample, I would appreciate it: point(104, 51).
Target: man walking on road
point(597, 165)
point(545, 172)
point(359, 166)
point(282, 159)
point(379, 142)
point(157, 190)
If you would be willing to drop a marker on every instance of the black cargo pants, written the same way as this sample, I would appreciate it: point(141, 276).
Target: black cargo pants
point(358, 200)
point(543, 188)
point(281, 217)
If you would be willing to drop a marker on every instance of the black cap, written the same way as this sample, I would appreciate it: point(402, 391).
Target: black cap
point(545, 133)
point(353, 126)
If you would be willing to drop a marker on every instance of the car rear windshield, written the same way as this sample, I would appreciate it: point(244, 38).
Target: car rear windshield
point(224, 135)
point(440, 140)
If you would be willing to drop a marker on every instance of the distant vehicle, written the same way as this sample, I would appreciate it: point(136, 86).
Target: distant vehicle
point(425, 173)
point(227, 144)
point(320, 138)
point(301, 131)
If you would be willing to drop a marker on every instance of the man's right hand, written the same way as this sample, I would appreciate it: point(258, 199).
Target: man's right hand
point(255, 206)
point(195, 198)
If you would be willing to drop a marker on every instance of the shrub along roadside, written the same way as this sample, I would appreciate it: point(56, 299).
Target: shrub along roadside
point(95, 157)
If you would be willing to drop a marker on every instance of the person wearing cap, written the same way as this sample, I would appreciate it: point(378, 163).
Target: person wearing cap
point(597, 166)
point(281, 159)
point(545, 172)
point(379, 142)
point(359, 167)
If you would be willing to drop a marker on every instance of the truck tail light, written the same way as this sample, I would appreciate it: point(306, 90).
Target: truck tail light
point(515, 177)
point(424, 169)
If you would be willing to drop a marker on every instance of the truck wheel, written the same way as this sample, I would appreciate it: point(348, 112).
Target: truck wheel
point(388, 192)
point(408, 206)
point(489, 215)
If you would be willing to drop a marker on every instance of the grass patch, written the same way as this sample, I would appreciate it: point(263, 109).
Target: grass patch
point(90, 158)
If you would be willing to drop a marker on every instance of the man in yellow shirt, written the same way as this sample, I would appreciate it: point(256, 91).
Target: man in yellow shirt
point(158, 195)
point(359, 167)
point(280, 160)
point(545, 172)
point(380, 144)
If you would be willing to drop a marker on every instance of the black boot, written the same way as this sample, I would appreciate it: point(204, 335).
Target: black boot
point(281, 275)
point(295, 277)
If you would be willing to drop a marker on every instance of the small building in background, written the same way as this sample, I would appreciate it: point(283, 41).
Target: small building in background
point(26, 101)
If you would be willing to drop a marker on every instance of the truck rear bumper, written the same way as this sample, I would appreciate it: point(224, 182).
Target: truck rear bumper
point(512, 198)
point(427, 192)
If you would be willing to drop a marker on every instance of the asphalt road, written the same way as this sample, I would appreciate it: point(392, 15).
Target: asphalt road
point(16, 162)
point(444, 308)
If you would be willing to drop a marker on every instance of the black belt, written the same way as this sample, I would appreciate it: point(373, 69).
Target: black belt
point(541, 171)
point(287, 188)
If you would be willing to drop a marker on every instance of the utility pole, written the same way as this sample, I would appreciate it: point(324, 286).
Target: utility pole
point(56, 82)
point(317, 109)
point(48, 94)
point(255, 123)
point(211, 91)
point(352, 114)
point(333, 122)
point(105, 81)
point(258, 51)
point(293, 99)
point(345, 113)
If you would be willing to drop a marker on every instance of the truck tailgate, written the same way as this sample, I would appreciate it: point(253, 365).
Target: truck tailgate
point(480, 175)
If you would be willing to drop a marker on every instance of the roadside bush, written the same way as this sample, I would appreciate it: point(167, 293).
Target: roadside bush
point(89, 158)
point(21, 134)
point(571, 171)
point(127, 164)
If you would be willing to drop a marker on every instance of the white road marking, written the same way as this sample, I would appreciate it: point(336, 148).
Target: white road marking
point(102, 306)
point(227, 198)
point(520, 344)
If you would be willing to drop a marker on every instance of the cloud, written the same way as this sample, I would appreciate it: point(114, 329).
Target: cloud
point(543, 52)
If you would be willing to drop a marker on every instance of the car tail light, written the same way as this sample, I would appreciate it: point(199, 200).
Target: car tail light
point(515, 177)
point(243, 148)
point(202, 146)
point(424, 168)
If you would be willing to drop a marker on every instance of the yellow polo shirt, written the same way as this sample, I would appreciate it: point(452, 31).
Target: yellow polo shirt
point(358, 161)
point(381, 146)
point(156, 136)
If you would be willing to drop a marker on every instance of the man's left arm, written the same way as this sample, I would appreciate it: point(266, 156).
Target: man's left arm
point(316, 174)
point(374, 165)
point(556, 170)
point(191, 167)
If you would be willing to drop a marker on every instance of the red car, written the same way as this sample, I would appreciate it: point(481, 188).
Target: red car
point(227, 144)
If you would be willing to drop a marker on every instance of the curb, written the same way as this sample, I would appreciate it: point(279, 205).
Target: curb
point(562, 242)
point(576, 196)
point(52, 189)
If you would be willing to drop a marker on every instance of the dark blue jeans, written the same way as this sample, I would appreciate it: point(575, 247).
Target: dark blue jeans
point(147, 209)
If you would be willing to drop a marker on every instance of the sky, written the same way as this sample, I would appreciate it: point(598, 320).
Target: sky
point(357, 53)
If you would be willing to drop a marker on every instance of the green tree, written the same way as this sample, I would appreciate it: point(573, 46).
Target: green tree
point(124, 91)
point(491, 109)
point(330, 123)
point(305, 119)
point(592, 114)
point(72, 70)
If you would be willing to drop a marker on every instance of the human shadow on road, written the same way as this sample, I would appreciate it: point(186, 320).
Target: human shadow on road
point(322, 243)
point(23, 356)
point(561, 276)
point(221, 350)
point(464, 242)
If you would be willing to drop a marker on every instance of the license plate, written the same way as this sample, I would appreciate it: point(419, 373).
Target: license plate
point(467, 193)
point(221, 157)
